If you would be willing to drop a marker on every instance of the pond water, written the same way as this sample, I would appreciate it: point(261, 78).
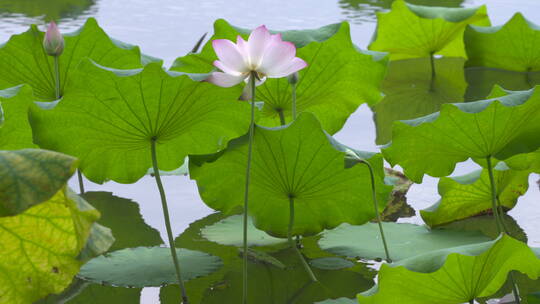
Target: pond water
point(169, 28)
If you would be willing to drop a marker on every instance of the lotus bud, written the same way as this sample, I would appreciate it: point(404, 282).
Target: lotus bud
point(293, 78)
point(53, 43)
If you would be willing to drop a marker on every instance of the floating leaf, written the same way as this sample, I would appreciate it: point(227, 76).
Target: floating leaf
point(404, 240)
point(410, 91)
point(229, 232)
point(15, 131)
point(40, 247)
point(410, 31)
point(470, 194)
point(500, 127)
point(30, 177)
point(124, 218)
point(451, 278)
point(24, 57)
point(298, 160)
point(338, 79)
point(147, 266)
point(111, 121)
point(513, 46)
point(269, 284)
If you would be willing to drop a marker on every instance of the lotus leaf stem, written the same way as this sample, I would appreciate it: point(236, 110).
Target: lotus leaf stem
point(293, 101)
point(167, 222)
point(293, 244)
point(376, 208)
point(81, 183)
point(281, 117)
point(246, 191)
point(494, 206)
point(499, 220)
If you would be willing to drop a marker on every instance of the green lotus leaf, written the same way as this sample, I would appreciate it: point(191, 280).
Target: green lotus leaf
point(147, 266)
point(124, 218)
point(338, 301)
point(30, 177)
point(410, 92)
point(481, 80)
point(94, 293)
point(41, 245)
point(487, 225)
point(110, 122)
point(338, 79)
point(525, 161)
point(470, 194)
point(404, 240)
point(513, 46)
point(452, 278)
point(15, 131)
point(501, 127)
point(411, 31)
point(24, 57)
point(533, 298)
point(229, 232)
point(298, 161)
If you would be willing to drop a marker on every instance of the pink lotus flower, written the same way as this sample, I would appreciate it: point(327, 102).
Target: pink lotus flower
point(265, 54)
point(53, 42)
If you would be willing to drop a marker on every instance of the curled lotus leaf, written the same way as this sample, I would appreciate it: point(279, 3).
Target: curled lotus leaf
point(411, 31)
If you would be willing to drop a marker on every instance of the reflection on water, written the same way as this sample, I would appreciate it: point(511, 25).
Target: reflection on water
point(48, 10)
point(360, 11)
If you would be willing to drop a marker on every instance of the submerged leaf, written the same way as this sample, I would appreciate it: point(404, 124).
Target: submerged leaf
point(447, 277)
point(404, 240)
point(470, 194)
point(147, 266)
point(500, 127)
point(15, 130)
point(513, 46)
point(298, 161)
point(30, 177)
point(411, 31)
point(40, 247)
point(110, 122)
point(338, 79)
point(24, 57)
